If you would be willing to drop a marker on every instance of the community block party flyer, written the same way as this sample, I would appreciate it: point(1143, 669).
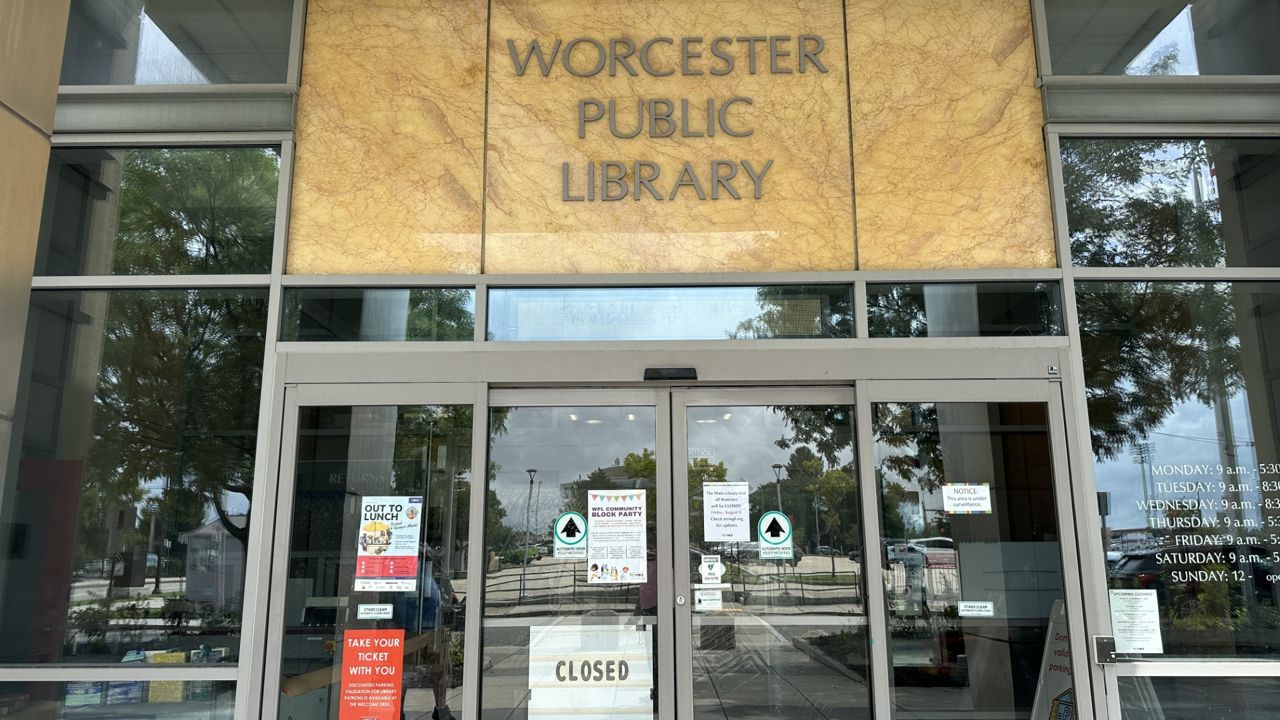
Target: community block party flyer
point(617, 544)
point(387, 544)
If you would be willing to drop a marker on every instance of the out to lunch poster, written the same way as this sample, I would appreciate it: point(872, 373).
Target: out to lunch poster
point(387, 544)
point(617, 544)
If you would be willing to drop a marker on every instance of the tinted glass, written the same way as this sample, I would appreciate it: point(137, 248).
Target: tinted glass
point(964, 310)
point(126, 523)
point(343, 584)
point(1163, 37)
point(972, 561)
point(671, 313)
point(544, 604)
point(159, 211)
point(163, 42)
point(1182, 398)
point(391, 314)
point(120, 699)
point(1171, 203)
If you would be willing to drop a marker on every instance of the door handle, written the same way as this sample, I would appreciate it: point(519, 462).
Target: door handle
point(680, 600)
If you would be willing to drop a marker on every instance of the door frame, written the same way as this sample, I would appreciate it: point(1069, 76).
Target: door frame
point(282, 493)
point(1049, 392)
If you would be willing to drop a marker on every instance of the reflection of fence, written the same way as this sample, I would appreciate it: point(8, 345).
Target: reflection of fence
point(554, 583)
point(938, 588)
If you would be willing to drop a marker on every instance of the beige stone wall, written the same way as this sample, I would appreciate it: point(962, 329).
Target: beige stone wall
point(390, 138)
point(408, 161)
point(949, 160)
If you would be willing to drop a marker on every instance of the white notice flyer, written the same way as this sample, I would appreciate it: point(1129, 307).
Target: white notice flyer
point(617, 546)
point(1135, 621)
point(387, 544)
point(726, 512)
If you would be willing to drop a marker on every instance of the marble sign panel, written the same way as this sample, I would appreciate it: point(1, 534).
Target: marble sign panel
point(667, 136)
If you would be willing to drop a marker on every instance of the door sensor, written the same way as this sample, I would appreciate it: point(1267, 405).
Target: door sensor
point(670, 374)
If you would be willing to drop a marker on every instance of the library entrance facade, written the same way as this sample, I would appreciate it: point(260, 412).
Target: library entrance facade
point(847, 534)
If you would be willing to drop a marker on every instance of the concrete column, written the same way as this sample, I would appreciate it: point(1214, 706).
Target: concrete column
point(31, 39)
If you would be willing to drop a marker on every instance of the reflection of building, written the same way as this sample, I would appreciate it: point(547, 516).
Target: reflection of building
point(215, 564)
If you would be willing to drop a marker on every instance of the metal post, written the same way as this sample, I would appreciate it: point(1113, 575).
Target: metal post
point(777, 486)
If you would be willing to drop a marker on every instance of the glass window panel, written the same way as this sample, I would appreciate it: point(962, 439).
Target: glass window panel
point(964, 310)
point(124, 527)
point(163, 42)
point(1182, 400)
point(974, 581)
point(544, 461)
point(346, 454)
point(159, 211)
point(1144, 202)
point(120, 699)
point(1163, 37)
point(386, 314)
point(671, 313)
point(1201, 698)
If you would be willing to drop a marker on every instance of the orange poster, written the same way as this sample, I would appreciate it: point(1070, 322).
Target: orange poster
point(372, 661)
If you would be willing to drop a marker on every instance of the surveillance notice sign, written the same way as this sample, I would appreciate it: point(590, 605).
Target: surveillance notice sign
point(387, 544)
point(372, 662)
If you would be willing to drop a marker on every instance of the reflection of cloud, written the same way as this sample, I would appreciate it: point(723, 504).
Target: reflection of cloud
point(1176, 40)
point(1188, 435)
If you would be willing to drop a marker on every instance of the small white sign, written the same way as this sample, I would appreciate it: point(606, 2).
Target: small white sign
point(381, 611)
point(711, 569)
point(707, 600)
point(601, 671)
point(1135, 621)
point(976, 608)
point(726, 512)
point(774, 532)
point(570, 536)
point(966, 498)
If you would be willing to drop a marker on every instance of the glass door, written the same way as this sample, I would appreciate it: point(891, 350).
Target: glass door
point(771, 607)
point(577, 593)
point(967, 485)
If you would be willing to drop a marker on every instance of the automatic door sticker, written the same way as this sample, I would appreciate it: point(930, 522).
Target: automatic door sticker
point(570, 536)
point(774, 532)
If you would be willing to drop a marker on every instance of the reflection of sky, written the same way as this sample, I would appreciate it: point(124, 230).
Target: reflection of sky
point(160, 62)
point(1188, 435)
point(1179, 37)
point(655, 313)
point(564, 449)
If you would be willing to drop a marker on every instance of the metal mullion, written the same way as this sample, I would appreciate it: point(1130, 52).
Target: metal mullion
point(1157, 129)
point(670, 644)
point(682, 627)
point(122, 671)
point(1187, 83)
point(872, 570)
point(171, 139)
point(481, 315)
point(159, 282)
point(1200, 667)
point(227, 90)
point(293, 74)
point(1040, 35)
point(861, 323)
point(477, 547)
point(1185, 274)
point(391, 281)
point(256, 606)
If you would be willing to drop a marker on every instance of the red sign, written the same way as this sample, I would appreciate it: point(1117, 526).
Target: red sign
point(372, 661)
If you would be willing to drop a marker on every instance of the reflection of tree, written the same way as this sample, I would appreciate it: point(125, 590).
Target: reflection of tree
point(176, 402)
point(1148, 347)
point(196, 210)
point(799, 311)
point(913, 428)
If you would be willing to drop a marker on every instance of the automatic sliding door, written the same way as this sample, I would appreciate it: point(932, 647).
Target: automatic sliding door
point(769, 553)
point(571, 626)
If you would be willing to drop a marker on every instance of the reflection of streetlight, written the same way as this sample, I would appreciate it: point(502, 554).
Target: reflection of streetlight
point(528, 505)
point(777, 486)
point(1141, 454)
point(777, 474)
